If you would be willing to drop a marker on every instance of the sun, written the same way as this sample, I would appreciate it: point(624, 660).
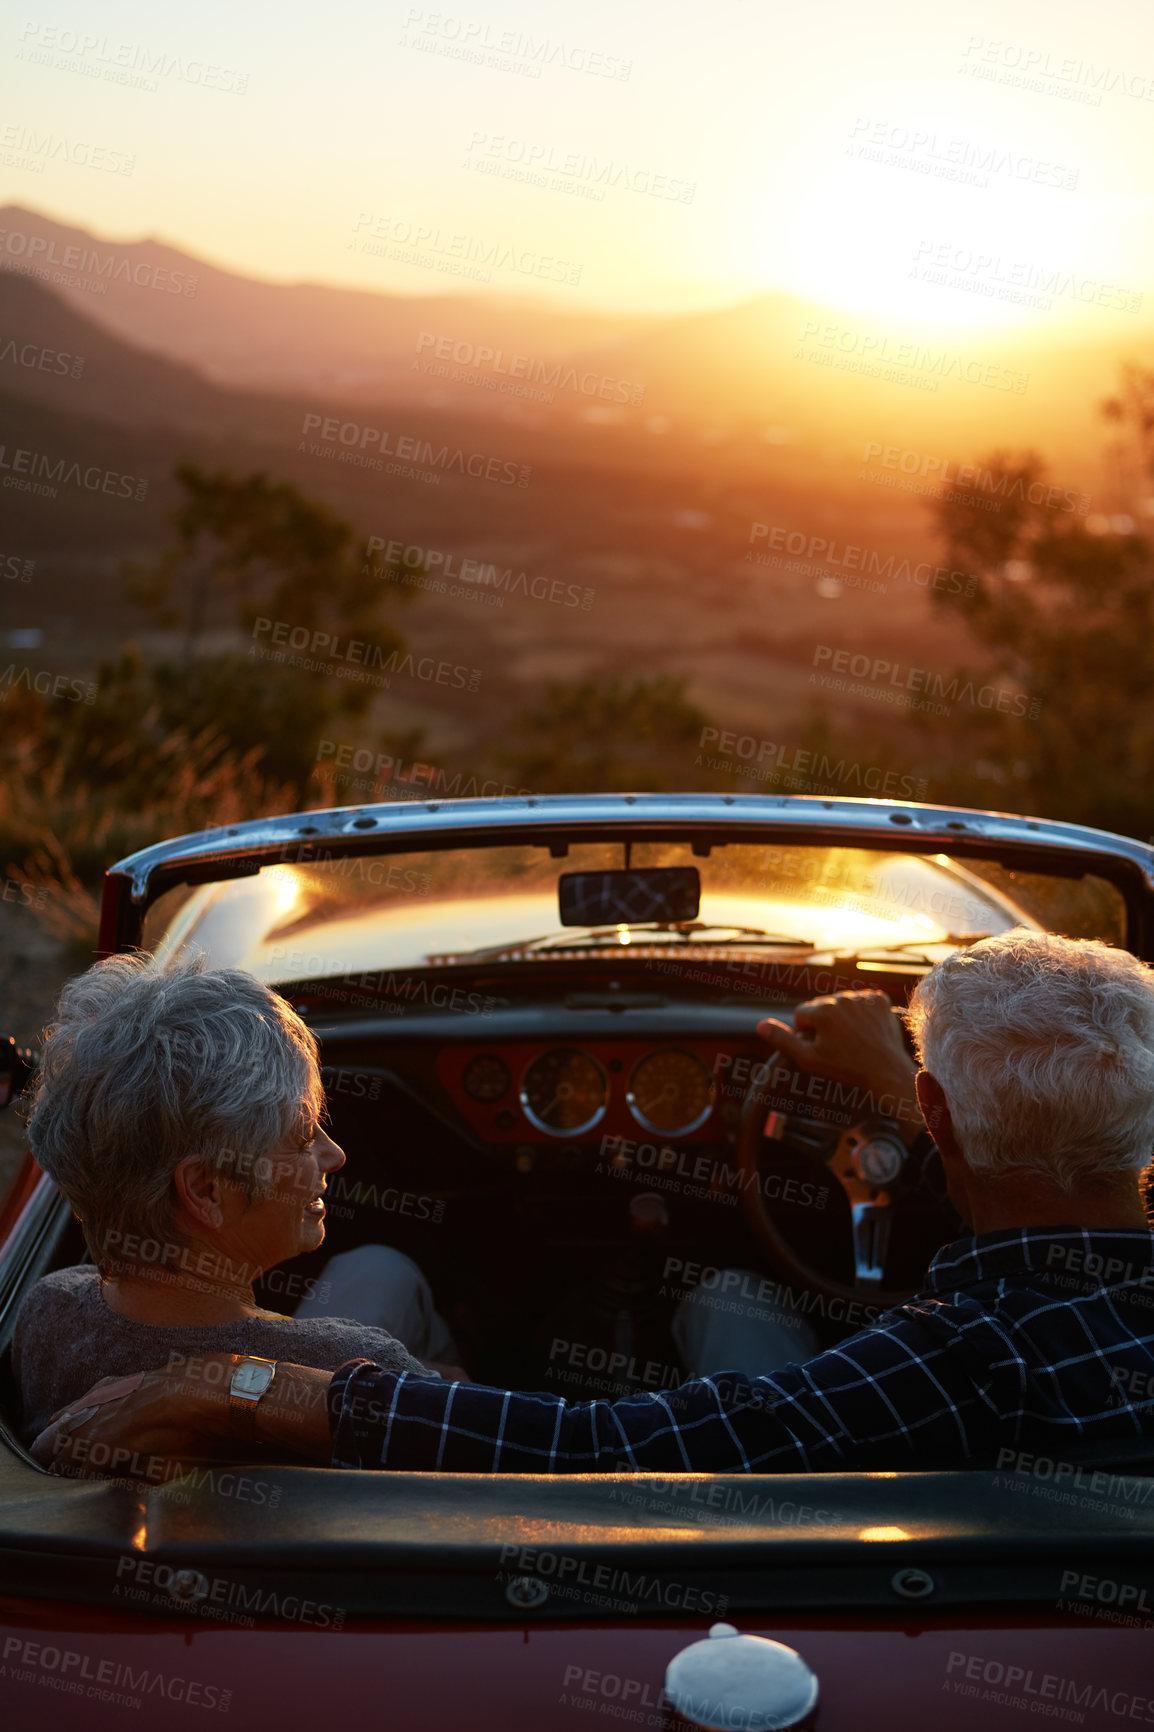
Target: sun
point(939, 222)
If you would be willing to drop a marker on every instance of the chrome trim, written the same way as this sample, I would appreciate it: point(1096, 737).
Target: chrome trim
point(871, 1238)
point(569, 1130)
point(679, 1130)
point(363, 829)
point(29, 1248)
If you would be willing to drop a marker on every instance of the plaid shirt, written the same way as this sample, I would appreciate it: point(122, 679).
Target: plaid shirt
point(1037, 1338)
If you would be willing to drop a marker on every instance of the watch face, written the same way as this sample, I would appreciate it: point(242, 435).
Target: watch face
point(250, 1379)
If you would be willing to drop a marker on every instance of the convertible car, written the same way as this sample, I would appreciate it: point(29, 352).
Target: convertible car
point(537, 1020)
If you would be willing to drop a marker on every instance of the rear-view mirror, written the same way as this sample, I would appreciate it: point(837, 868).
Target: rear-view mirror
point(652, 893)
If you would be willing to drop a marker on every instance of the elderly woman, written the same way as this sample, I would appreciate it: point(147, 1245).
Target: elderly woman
point(179, 1111)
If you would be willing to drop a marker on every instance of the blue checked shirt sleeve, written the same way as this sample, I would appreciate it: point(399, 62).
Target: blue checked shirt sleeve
point(902, 1394)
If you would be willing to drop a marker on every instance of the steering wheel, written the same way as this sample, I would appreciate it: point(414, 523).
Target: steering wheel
point(870, 1162)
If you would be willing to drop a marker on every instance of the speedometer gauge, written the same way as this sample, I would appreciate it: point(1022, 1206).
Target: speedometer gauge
point(564, 1092)
point(670, 1092)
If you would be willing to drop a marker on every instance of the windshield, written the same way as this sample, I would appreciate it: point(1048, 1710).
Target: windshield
point(435, 909)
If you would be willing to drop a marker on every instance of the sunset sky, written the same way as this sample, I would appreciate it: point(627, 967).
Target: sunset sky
point(832, 152)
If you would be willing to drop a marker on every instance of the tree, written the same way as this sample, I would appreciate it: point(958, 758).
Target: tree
point(1130, 416)
point(1065, 602)
point(260, 557)
point(605, 736)
point(265, 547)
point(211, 735)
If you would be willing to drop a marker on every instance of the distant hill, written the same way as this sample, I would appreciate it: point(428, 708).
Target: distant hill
point(648, 517)
point(628, 484)
point(293, 337)
point(71, 390)
point(772, 372)
point(53, 354)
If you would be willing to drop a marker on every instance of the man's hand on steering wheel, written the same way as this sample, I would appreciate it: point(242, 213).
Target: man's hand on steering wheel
point(855, 1038)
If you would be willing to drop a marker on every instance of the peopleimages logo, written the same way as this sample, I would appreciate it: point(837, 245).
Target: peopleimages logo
point(33, 149)
point(75, 1672)
point(460, 255)
point(431, 568)
point(954, 158)
point(1009, 1686)
point(733, 1291)
point(841, 560)
point(349, 656)
point(972, 476)
point(358, 439)
point(549, 159)
point(800, 766)
point(416, 780)
point(482, 43)
point(35, 472)
point(16, 569)
point(482, 358)
point(562, 1571)
point(624, 1371)
point(868, 352)
point(720, 1504)
point(140, 1578)
point(21, 891)
point(45, 684)
point(1030, 65)
point(1107, 1591)
point(18, 245)
point(890, 682)
point(1021, 281)
point(40, 359)
point(115, 62)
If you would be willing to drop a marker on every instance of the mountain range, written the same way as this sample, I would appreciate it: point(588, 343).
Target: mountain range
point(645, 460)
point(774, 367)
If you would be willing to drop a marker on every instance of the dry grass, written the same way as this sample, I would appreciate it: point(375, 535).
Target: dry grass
point(60, 835)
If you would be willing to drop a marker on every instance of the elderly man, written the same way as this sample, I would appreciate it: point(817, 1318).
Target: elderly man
point(1038, 1085)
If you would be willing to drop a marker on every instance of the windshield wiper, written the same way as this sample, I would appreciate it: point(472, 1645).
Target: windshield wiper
point(686, 930)
point(911, 946)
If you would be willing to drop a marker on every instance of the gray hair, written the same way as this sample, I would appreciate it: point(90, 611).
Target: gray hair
point(1044, 1049)
point(145, 1066)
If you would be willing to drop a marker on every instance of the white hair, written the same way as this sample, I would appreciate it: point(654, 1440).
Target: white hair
point(1044, 1049)
point(145, 1066)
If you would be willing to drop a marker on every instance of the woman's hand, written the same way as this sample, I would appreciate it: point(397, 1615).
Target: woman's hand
point(132, 1426)
point(123, 1425)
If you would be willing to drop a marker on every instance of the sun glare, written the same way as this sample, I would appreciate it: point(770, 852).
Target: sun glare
point(934, 216)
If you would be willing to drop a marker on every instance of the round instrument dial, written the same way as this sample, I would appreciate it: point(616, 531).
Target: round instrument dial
point(564, 1092)
point(486, 1077)
point(670, 1092)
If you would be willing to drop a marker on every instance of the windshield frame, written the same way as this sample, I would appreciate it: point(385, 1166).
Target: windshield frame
point(1036, 845)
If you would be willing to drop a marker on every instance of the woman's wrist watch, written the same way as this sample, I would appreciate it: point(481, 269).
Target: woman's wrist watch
point(251, 1378)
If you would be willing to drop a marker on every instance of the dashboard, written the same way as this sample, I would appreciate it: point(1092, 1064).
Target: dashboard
point(566, 1091)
